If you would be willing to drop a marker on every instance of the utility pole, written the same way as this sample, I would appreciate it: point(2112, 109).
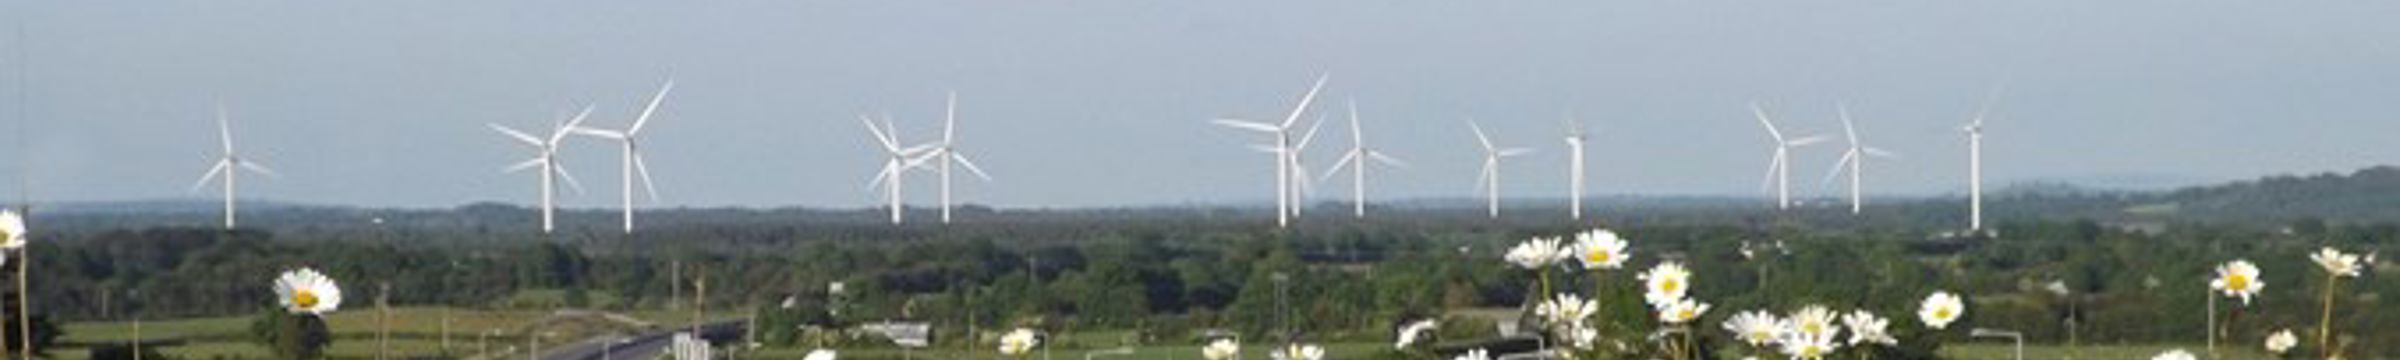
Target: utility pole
point(383, 320)
point(699, 301)
point(674, 284)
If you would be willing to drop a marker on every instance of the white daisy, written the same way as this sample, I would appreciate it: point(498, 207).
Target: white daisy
point(1299, 352)
point(1682, 311)
point(304, 291)
point(1757, 328)
point(1808, 347)
point(1600, 249)
point(1940, 309)
point(1815, 320)
point(819, 354)
point(2336, 262)
point(1019, 342)
point(1866, 328)
point(2237, 279)
point(1583, 337)
point(12, 230)
point(1535, 253)
point(1222, 349)
point(1565, 310)
point(2282, 341)
point(1666, 282)
point(2177, 354)
point(1477, 354)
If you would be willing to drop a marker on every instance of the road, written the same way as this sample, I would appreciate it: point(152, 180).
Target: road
point(644, 346)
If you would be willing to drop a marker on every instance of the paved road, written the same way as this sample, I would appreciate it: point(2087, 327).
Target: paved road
point(644, 346)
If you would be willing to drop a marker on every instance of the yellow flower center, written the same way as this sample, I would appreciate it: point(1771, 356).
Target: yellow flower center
point(1596, 256)
point(304, 299)
point(1670, 285)
point(2237, 283)
point(1813, 328)
point(1812, 352)
point(1760, 336)
point(1942, 313)
point(1685, 313)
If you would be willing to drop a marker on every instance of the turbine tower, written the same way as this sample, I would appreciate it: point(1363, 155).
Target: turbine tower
point(1575, 139)
point(632, 162)
point(1301, 188)
point(1855, 158)
point(947, 152)
point(226, 163)
point(1975, 164)
point(1357, 158)
point(1282, 149)
point(897, 161)
point(1779, 169)
point(546, 157)
point(1490, 181)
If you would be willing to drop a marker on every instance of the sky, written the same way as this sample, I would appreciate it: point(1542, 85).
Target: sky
point(1107, 103)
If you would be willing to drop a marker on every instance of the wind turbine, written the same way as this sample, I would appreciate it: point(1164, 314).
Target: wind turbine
point(1574, 168)
point(1855, 157)
point(1490, 181)
point(546, 157)
point(226, 164)
point(897, 161)
point(632, 161)
point(1301, 189)
point(1357, 159)
point(1975, 164)
point(947, 151)
point(1282, 149)
point(1779, 170)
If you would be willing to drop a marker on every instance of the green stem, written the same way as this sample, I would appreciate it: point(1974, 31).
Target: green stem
point(2212, 325)
point(1545, 276)
point(2325, 321)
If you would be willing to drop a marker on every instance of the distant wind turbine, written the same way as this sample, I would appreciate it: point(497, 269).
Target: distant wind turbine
point(1282, 149)
point(1855, 158)
point(1575, 182)
point(947, 151)
point(226, 163)
point(1975, 163)
point(632, 161)
point(1357, 158)
point(1779, 170)
point(546, 157)
point(1490, 181)
point(897, 161)
point(1301, 188)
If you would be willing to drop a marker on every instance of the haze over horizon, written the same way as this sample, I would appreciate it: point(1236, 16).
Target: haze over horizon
point(1091, 104)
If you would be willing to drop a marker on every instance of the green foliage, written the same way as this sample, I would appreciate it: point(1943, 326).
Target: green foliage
point(292, 336)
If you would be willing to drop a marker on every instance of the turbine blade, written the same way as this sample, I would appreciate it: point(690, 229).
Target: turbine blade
point(212, 174)
point(1246, 125)
point(1357, 138)
point(1847, 128)
point(1847, 157)
point(1266, 149)
point(513, 133)
point(1386, 160)
point(1768, 184)
point(1309, 136)
point(1806, 141)
point(1761, 113)
point(561, 169)
point(1509, 152)
point(260, 169)
point(950, 119)
point(1483, 179)
point(224, 128)
point(1304, 100)
point(1986, 108)
point(643, 168)
point(1338, 164)
point(919, 149)
point(889, 168)
point(528, 164)
point(889, 144)
point(601, 133)
point(561, 132)
point(970, 165)
point(1881, 153)
point(638, 122)
point(1479, 136)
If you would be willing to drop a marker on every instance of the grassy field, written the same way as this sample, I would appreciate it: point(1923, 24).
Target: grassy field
point(414, 331)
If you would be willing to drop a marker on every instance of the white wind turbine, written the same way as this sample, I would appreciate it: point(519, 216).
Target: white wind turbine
point(1779, 169)
point(1357, 159)
point(1282, 149)
point(1575, 183)
point(226, 164)
point(632, 161)
point(947, 151)
point(897, 161)
point(1490, 181)
point(546, 157)
point(1975, 164)
point(1301, 188)
point(1855, 158)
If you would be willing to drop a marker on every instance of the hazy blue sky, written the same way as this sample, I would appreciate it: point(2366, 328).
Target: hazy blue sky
point(1081, 103)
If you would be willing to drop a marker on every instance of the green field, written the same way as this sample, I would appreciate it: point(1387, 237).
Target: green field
point(414, 331)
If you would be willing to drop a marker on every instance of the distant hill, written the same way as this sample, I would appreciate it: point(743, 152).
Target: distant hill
point(2371, 194)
